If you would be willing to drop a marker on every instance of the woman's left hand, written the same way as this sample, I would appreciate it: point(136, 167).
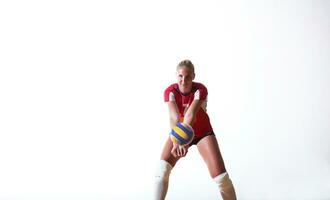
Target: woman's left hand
point(179, 150)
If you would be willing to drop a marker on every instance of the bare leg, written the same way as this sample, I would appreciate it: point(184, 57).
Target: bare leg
point(166, 164)
point(166, 154)
point(209, 149)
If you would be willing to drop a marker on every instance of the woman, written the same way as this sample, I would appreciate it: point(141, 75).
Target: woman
point(187, 103)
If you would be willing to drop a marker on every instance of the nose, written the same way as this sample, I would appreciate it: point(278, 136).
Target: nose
point(185, 79)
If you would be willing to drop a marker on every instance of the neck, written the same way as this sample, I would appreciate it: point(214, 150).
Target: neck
point(185, 89)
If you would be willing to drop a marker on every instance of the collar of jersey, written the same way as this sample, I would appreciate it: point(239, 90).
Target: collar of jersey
point(185, 94)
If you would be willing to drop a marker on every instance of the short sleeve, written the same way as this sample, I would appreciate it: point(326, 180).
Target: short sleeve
point(168, 95)
point(201, 93)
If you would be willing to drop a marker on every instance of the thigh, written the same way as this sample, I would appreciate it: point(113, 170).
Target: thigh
point(209, 149)
point(166, 154)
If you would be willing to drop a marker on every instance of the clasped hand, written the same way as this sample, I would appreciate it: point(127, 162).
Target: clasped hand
point(179, 150)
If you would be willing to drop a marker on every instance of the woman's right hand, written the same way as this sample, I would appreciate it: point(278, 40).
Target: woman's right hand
point(179, 150)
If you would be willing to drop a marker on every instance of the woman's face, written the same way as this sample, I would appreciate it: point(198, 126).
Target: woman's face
point(185, 78)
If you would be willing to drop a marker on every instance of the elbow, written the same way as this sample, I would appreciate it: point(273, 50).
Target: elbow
point(175, 118)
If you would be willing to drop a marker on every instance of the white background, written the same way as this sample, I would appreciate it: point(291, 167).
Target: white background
point(81, 96)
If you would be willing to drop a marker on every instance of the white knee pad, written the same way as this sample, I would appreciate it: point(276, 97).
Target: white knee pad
point(161, 180)
point(225, 186)
point(164, 170)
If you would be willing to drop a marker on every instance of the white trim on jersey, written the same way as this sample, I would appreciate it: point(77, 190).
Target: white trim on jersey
point(171, 97)
point(197, 97)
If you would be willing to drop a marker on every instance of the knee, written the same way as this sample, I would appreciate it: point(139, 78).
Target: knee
point(223, 181)
point(163, 170)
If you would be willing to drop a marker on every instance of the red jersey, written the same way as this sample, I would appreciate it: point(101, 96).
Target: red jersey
point(201, 124)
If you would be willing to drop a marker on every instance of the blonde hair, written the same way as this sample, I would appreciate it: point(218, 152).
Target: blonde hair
point(186, 63)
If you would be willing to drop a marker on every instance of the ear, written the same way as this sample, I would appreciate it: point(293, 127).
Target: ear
point(193, 76)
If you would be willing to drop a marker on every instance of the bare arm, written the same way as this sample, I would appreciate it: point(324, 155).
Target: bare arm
point(181, 151)
point(174, 113)
point(177, 151)
point(191, 112)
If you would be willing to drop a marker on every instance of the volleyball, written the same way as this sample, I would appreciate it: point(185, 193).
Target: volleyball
point(182, 134)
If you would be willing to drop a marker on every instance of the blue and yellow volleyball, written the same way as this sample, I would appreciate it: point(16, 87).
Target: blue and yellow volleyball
point(182, 134)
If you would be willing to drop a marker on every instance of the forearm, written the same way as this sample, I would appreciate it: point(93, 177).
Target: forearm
point(189, 118)
point(173, 114)
point(190, 115)
point(174, 121)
